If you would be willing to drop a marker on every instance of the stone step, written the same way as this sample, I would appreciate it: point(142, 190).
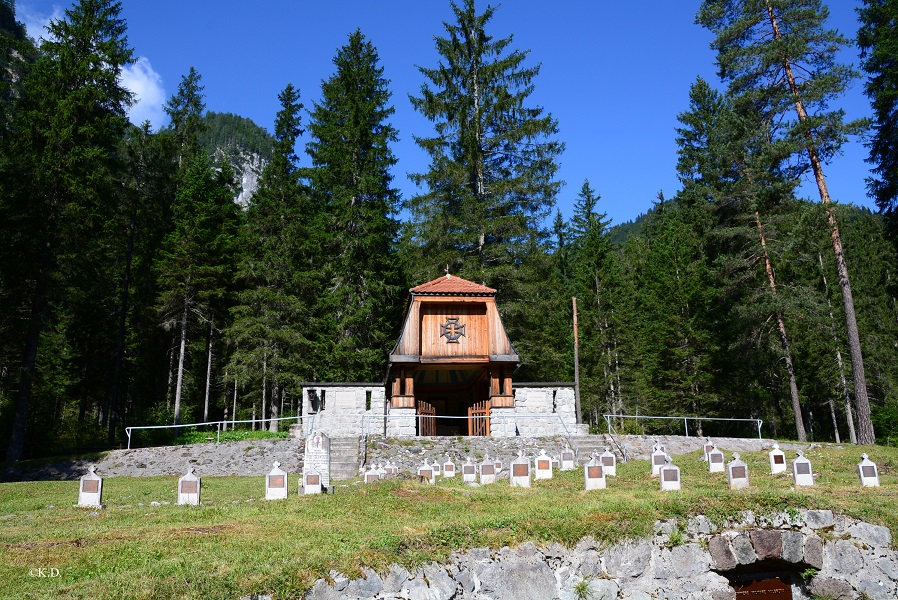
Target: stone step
point(344, 458)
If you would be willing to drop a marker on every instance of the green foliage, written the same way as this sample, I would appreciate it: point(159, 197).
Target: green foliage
point(192, 436)
point(233, 135)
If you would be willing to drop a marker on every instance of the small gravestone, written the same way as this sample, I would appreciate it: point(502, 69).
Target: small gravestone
point(868, 472)
point(487, 471)
point(609, 463)
point(90, 491)
point(737, 473)
point(276, 483)
point(448, 468)
point(594, 474)
point(670, 476)
point(189, 488)
point(318, 456)
point(469, 471)
point(311, 481)
point(802, 473)
point(426, 474)
point(543, 466)
point(382, 471)
point(777, 460)
point(519, 471)
point(707, 447)
point(371, 475)
point(715, 461)
point(659, 459)
point(436, 467)
point(556, 463)
point(498, 464)
point(568, 459)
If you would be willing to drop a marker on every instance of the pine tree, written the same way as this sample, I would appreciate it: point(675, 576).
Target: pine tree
point(352, 184)
point(185, 110)
point(68, 122)
point(878, 41)
point(779, 55)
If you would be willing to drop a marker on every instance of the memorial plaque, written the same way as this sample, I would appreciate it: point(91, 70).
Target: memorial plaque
point(866, 471)
point(738, 472)
point(468, 470)
point(276, 481)
point(671, 475)
point(449, 468)
point(371, 477)
point(188, 487)
point(802, 468)
point(608, 461)
point(594, 472)
point(318, 456)
point(542, 465)
point(774, 588)
point(708, 448)
point(92, 486)
point(779, 459)
point(659, 459)
point(520, 470)
point(426, 473)
point(716, 458)
point(487, 470)
point(567, 456)
point(313, 480)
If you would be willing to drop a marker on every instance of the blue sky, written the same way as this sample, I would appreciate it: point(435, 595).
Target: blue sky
point(613, 75)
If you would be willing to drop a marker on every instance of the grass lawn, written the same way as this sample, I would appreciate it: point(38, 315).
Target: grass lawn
point(238, 545)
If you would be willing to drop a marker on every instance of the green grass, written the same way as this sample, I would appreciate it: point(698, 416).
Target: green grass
point(192, 436)
point(228, 550)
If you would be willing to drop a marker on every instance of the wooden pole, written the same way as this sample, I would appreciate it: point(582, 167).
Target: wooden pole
point(576, 365)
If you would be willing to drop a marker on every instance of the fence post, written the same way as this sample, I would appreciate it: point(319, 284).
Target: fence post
point(218, 440)
point(686, 425)
point(128, 431)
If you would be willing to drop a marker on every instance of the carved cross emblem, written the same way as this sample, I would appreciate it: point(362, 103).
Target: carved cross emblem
point(452, 330)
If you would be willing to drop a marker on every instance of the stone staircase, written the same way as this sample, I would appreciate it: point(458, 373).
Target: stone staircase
point(344, 458)
point(587, 444)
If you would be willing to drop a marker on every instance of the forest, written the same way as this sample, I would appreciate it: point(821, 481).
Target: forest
point(136, 291)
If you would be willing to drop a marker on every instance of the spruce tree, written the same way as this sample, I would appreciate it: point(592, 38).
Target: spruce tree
point(352, 186)
point(780, 55)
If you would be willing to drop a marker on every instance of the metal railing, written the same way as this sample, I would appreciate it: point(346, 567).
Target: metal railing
point(615, 437)
point(218, 425)
point(685, 420)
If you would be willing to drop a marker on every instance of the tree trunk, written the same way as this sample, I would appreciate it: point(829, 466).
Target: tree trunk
point(861, 400)
point(181, 353)
point(846, 397)
point(234, 411)
point(784, 340)
point(264, 391)
point(208, 372)
point(275, 412)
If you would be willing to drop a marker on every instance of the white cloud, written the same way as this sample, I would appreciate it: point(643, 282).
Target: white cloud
point(35, 21)
point(149, 95)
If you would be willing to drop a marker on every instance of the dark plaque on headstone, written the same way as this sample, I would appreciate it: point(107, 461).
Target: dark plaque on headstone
point(659, 459)
point(468, 469)
point(738, 472)
point(716, 458)
point(671, 475)
point(92, 486)
point(487, 470)
point(542, 465)
point(567, 456)
point(866, 471)
point(779, 459)
point(276, 481)
point(449, 468)
point(313, 480)
point(608, 461)
point(774, 588)
point(188, 487)
point(426, 473)
point(594, 472)
point(803, 468)
point(372, 478)
point(520, 470)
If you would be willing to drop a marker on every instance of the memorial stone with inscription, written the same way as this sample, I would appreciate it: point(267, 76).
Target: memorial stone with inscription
point(469, 471)
point(568, 459)
point(609, 462)
point(189, 488)
point(777, 460)
point(543, 468)
point(276, 483)
point(715, 461)
point(372, 475)
point(448, 468)
point(802, 473)
point(311, 481)
point(659, 459)
point(90, 492)
point(737, 473)
point(318, 456)
point(426, 473)
point(706, 448)
point(594, 474)
point(669, 475)
point(519, 471)
point(487, 471)
point(868, 472)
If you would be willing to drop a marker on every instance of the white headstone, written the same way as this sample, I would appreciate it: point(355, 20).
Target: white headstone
point(189, 488)
point(437, 470)
point(658, 458)
point(276, 483)
point(777, 460)
point(318, 456)
point(498, 464)
point(448, 468)
point(543, 466)
point(311, 481)
point(487, 471)
point(670, 476)
point(425, 471)
point(707, 446)
point(802, 473)
point(556, 463)
point(90, 491)
point(609, 463)
point(737, 473)
point(568, 459)
point(715, 461)
point(594, 474)
point(868, 472)
point(469, 471)
point(372, 475)
point(382, 471)
point(519, 471)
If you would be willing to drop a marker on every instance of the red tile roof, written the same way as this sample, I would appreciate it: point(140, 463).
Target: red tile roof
point(449, 284)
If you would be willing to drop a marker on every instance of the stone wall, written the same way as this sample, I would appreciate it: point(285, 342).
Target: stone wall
point(538, 411)
point(347, 409)
point(819, 554)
